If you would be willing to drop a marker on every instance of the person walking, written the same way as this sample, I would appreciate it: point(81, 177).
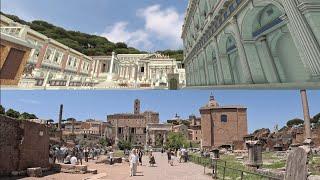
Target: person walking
point(152, 160)
point(140, 154)
point(169, 154)
point(80, 155)
point(133, 162)
point(86, 154)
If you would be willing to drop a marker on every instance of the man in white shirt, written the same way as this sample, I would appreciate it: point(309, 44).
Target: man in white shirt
point(73, 160)
point(134, 158)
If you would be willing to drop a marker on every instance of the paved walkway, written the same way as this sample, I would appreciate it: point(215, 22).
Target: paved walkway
point(162, 171)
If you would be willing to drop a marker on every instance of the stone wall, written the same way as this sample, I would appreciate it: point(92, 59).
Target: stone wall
point(23, 144)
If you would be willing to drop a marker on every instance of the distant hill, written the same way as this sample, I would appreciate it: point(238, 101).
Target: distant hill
point(90, 45)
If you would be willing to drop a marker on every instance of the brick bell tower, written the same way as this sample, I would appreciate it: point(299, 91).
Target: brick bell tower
point(137, 106)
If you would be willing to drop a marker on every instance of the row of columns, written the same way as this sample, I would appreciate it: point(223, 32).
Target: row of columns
point(152, 134)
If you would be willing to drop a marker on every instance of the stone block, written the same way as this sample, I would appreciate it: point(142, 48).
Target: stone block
point(92, 171)
point(117, 160)
point(34, 172)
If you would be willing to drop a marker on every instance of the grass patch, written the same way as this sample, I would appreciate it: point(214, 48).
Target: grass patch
point(276, 165)
point(118, 153)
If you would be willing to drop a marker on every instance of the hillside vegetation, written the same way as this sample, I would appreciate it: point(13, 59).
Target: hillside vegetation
point(91, 45)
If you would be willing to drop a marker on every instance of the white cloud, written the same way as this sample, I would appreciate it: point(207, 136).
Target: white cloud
point(119, 33)
point(160, 25)
point(165, 23)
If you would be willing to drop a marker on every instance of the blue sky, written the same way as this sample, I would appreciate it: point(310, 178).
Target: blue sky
point(145, 24)
point(265, 108)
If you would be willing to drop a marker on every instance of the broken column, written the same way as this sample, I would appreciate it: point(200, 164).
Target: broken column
point(254, 154)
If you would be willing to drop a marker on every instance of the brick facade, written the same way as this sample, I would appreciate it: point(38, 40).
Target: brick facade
point(23, 144)
point(222, 125)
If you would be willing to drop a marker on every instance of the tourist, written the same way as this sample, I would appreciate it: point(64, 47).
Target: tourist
point(179, 155)
point(169, 154)
point(80, 155)
point(111, 153)
point(67, 160)
point(133, 162)
point(73, 160)
point(140, 154)
point(86, 154)
point(152, 160)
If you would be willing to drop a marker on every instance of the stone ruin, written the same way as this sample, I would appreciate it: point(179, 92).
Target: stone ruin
point(23, 145)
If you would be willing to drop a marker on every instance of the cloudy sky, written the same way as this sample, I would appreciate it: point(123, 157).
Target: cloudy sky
point(265, 108)
point(145, 24)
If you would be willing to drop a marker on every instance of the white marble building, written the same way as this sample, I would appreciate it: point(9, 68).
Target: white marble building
point(54, 65)
point(234, 43)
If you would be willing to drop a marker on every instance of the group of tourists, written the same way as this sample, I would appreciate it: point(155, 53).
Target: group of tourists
point(181, 154)
point(73, 155)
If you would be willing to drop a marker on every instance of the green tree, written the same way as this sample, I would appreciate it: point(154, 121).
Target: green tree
point(103, 142)
point(316, 118)
point(26, 115)
point(124, 145)
point(12, 113)
point(295, 122)
point(2, 110)
point(176, 141)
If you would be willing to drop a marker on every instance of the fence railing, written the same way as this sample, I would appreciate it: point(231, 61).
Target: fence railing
point(222, 170)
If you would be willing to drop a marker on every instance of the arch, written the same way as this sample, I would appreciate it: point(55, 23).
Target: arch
point(253, 13)
point(291, 63)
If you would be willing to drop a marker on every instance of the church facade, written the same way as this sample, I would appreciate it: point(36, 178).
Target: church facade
point(222, 125)
point(246, 42)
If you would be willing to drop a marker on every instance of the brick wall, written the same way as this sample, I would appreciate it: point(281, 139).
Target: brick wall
point(23, 144)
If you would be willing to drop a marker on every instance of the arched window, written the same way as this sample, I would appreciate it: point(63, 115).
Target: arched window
point(224, 118)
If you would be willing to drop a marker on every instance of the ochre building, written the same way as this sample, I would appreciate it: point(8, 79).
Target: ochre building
point(132, 126)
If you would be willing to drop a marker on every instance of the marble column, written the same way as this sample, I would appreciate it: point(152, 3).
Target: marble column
point(274, 74)
point(242, 55)
point(111, 66)
point(220, 69)
point(303, 35)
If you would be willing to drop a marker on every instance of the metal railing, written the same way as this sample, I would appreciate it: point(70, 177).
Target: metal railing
point(220, 170)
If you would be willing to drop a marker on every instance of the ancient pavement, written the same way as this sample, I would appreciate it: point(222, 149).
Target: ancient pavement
point(163, 171)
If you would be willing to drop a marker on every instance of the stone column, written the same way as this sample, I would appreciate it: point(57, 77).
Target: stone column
point(164, 138)
point(153, 137)
point(111, 66)
point(242, 55)
point(268, 56)
point(147, 137)
point(303, 37)
point(306, 114)
point(220, 69)
point(116, 138)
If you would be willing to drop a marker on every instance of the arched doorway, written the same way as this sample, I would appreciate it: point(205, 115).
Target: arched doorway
point(290, 60)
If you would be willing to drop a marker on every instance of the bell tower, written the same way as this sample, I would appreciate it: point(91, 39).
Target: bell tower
point(137, 106)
